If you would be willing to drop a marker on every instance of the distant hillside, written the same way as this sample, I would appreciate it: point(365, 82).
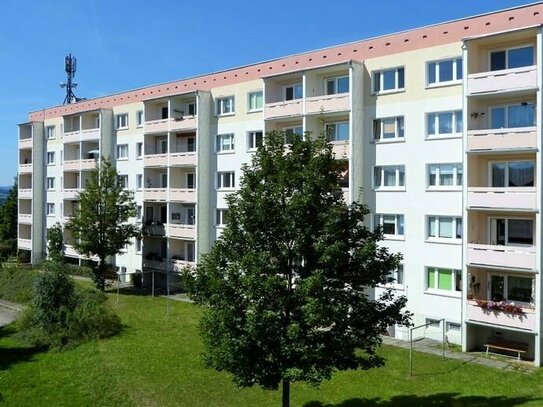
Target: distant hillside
point(4, 191)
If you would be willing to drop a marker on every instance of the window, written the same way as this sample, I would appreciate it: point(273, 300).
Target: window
point(50, 183)
point(389, 177)
point(139, 181)
point(50, 209)
point(139, 213)
point(50, 157)
point(452, 326)
point(225, 179)
point(444, 176)
point(512, 58)
point(389, 80)
point(191, 215)
point(190, 180)
point(139, 150)
point(511, 288)
point(390, 128)
point(444, 123)
point(122, 151)
point(225, 142)
point(512, 174)
point(433, 323)
point(291, 132)
point(225, 106)
point(139, 118)
point(50, 132)
point(397, 275)
point(511, 116)
point(337, 131)
point(191, 108)
point(122, 180)
point(254, 139)
point(337, 85)
point(443, 279)
point(293, 92)
point(392, 225)
point(121, 121)
point(255, 100)
point(511, 232)
point(138, 245)
point(447, 70)
point(444, 227)
point(220, 219)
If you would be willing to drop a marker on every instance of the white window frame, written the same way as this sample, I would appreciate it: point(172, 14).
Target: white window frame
point(456, 63)
point(334, 81)
point(225, 106)
point(121, 121)
point(122, 152)
point(294, 86)
point(51, 158)
point(222, 176)
point(139, 151)
point(291, 131)
point(139, 244)
point(507, 50)
point(50, 183)
point(437, 219)
point(455, 132)
point(50, 132)
point(333, 138)
point(220, 217)
point(458, 177)
point(379, 126)
point(252, 97)
point(122, 180)
point(455, 273)
point(382, 168)
point(506, 175)
point(377, 85)
point(255, 138)
point(506, 288)
point(50, 209)
point(139, 118)
point(507, 106)
point(506, 233)
point(399, 223)
point(139, 181)
point(221, 146)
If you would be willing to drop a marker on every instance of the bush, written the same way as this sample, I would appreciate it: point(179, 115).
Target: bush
point(16, 284)
point(136, 279)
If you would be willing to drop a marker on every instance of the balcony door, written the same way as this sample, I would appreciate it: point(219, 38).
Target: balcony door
point(511, 232)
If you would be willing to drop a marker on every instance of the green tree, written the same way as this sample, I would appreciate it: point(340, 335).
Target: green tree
point(55, 245)
point(286, 284)
point(102, 227)
point(8, 222)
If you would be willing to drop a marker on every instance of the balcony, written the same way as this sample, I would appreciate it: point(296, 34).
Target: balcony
point(155, 194)
point(183, 194)
point(71, 193)
point(179, 265)
point(25, 218)
point(154, 229)
point(155, 160)
point(514, 257)
point(71, 165)
point(25, 244)
point(181, 231)
point(88, 164)
point(502, 198)
point(503, 81)
point(283, 109)
point(520, 138)
point(184, 123)
point(155, 265)
point(340, 149)
point(25, 143)
point(25, 193)
point(520, 321)
point(327, 103)
point(90, 134)
point(71, 137)
point(156, 126)
point(183, 159)
point(25, 168)
point(70, 251)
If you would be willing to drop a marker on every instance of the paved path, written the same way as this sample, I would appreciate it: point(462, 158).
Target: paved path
point(434, 347)
point(9, 312)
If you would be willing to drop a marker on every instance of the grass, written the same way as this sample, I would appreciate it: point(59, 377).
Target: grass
point(156, 361)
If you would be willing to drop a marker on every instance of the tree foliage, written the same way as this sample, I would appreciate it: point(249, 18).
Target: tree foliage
point(286, 284)
point(55, 245)
point(101, 227)
point(8, 222)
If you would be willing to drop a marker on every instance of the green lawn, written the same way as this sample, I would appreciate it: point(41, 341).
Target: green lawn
point(156, 362)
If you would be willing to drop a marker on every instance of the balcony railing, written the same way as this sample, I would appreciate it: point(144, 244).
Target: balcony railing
point(25, 218)
point(179, 265)
point(25, 142)
point(183, 194)
point(25, 168)
point(502, 198)
point(283, 109)
point(25, 193)
point(81, 135)
point(327, 103)
point(156, 126)
point(515, 257)
point(506, 80)
point(155, 160)
point(184, 123)
point(340, 149)
point(526, 320)
point(71, 193)
point(183, 158)
point(181, 231)
point(519, 138)
point(25, 244)
point(155, 194)
point(154, 229)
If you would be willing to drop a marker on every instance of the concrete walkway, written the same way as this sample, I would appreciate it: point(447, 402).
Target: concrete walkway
point(430, 346)
point(9, 312)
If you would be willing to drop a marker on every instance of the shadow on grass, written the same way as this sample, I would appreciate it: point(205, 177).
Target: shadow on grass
point(140, 291)
point(13, 355)
point(431, 400)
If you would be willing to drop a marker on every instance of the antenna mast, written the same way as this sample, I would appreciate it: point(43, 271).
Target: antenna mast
point(70, 66)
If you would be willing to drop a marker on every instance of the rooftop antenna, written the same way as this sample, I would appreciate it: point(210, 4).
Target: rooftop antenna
point(70, 66)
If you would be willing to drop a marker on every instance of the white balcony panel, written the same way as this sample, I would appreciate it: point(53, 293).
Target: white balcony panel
point(70, 251)
point(71, 165)
point(155, 160)
point(327, 103)
point(185, 123)
point(71, 193)
point(25, 244)
point(179, 265)
point(181, 231)
point(155, 194)
point(506, 80)
point(25, 193)
point(502, 198)
point(183, 159)
point(156, 126)
point(25, 143)
point(183, 194)
point(89, 164)
point(90, 134)
point(502, 139)
point(71, 137)
point(341, 149)
point(283, 109)
point(25, 168)
point(516, 257)
point(520, 321)
point(25, 218)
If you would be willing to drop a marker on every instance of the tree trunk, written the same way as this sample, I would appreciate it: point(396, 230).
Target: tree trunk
point(99, 275)
point(286, 393)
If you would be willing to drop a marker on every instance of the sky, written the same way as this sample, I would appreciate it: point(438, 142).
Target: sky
point(128, 44)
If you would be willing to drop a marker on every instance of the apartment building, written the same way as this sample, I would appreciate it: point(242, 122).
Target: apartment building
point(439, 129)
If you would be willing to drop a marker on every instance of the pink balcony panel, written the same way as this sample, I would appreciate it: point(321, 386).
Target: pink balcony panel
point(156, 126)
point(502, 198)
point(25, 244)
point(25, 193)
point(502, 139)
point(185, 123)
point(25, 143)
point(89, 164)
point(71, 137)
point(327, 103)
point(516, 257)
point(71, 165)
point(183, 159)
point(90, 134)
point(506, 80)
point(70, 193)
point(181, 231)
point(25, 168)
point(155, 194)
point(155, 160)
point(183, 194)
point(520, 321)
point(341, 149)
point(283, 109)
point(25, 218)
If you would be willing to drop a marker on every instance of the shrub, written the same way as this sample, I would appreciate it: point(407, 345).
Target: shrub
point(136, 279)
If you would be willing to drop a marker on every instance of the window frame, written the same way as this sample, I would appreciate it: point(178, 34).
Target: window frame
point(220, 180)
point(122, 180)
point(507, 50)
point(399, 224)
point(50, 209)
point(53, 158)
point(222, 103)
point(399, 129)
point(140, 118)
point(250, 95)
point(294, 86)
point(456, 281)
point(50, 132)
point(506, 107)
point(454, 239)
point(334, 80)
point(139, 150)
point(455, 132)
point(47, 182)
point(506, 172)
point(336, 125)
point(219, 143)
point(506, 231)
point(398, 185)
point(220, 217)
point(291, 131)
point(120, 148)
point(455, 186)
point(253, 139)
point(505, 292)
point(377, 82)
point(139, 182)
point(455, 81)
point(121, 121)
